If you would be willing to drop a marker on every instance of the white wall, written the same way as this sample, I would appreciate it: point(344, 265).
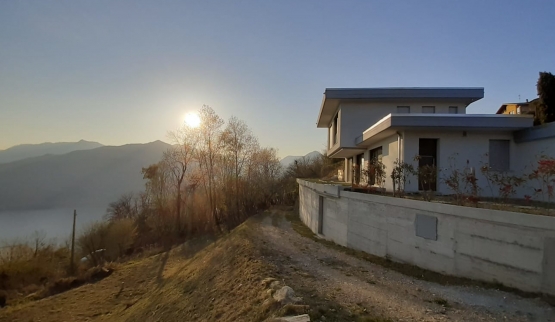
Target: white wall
point(356, 117)
point(474, 147)
point(527, 155)
point(389, 155)
point(452, 144)
point(517, 250)
point(455, 149)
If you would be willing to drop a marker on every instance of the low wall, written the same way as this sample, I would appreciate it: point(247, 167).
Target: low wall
point(515, 249)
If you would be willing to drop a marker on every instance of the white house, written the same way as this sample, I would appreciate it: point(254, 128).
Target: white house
point(400, 123)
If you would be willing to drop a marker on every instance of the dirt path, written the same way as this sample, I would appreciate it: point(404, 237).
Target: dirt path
point(356, 284)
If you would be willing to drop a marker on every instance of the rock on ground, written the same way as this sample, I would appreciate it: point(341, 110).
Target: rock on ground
point(286, 295)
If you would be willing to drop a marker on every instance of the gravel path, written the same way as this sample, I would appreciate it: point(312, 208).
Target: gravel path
point(354, 282)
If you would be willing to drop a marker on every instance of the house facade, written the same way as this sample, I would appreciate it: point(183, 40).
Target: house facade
point(517, 108)
point(399, 124)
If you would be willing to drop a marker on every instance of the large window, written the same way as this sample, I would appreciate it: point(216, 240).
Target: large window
point(357, 168)
point(403, 109)
point(428, 109)
point(499, 155)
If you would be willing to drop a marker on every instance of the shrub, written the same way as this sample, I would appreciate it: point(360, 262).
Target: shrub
point(120, 238)
point(463, 183)
point(92, 240)
point(399, 175)
point(22, 265)
point(505, 183)
point(427, 178)
point(62, 285)
point(544, 175)
point(374, 172)
point(102, 241)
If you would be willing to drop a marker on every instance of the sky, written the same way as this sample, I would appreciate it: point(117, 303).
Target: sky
point(121, 72)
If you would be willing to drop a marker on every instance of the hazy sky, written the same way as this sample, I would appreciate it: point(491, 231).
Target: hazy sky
point(128, 71)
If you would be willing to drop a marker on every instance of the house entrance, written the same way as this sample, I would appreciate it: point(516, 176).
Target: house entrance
point(427, 150)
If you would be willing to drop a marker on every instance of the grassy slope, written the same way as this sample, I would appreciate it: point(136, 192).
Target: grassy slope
point(220, 282)
point(200, 281)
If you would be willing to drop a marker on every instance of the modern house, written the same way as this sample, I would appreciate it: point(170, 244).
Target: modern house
point(392, 124)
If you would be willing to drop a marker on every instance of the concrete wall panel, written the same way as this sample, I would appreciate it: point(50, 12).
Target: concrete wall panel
point(514, 249)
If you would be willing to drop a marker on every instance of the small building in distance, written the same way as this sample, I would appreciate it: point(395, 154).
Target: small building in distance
point(518, 108)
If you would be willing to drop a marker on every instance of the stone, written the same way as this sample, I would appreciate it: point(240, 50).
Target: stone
point(274, 285)
point(267, 281)
point(298, 318)
point(286, 295)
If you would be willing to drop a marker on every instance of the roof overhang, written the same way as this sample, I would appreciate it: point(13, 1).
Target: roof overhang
point(334, 96)
point(502, 109)
point(393, 123)
point(345, 152)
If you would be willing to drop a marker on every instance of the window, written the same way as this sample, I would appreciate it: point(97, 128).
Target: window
point(499, 155)
point(428, 109)
point(375, 158)
point(518, 110)
point(403, 109)
point(453, 110)
point(334, 128)
point(357, 168)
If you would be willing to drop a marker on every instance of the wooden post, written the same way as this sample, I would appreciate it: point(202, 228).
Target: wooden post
point(72, 263)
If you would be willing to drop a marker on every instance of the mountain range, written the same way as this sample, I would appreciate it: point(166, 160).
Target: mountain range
point(78, 174)
point(285, 162)
point(24, 151)
point(84, 177)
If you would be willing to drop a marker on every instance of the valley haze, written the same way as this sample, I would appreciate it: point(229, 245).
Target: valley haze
point(41, 184)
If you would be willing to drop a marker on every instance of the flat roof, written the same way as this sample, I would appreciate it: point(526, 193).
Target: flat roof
point(478, 122)
point(333, 96)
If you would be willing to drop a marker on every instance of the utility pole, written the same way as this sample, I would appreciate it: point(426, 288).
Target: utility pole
point(72, 263)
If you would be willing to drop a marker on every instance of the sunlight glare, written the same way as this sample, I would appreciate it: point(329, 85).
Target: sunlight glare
point(192, 120)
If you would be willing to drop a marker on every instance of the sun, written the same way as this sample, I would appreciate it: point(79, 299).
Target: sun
point(192, 120)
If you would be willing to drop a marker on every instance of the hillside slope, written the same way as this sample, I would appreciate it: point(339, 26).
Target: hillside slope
point(225, 281)
point(24, 151)
point(79, 178)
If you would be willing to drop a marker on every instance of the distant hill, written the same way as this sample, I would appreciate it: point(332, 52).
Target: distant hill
point(24, 151)
point(285, 162)
point(80, 178)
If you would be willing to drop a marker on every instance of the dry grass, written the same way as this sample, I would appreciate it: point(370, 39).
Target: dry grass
point(197, 281)
point(201, 280)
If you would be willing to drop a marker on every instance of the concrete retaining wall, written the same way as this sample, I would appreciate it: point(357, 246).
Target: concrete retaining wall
point(514, 249)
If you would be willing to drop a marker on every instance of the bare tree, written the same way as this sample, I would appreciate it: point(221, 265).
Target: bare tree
point(157, 189)
point(39, 238)
point(178, 159)
point(207, 154)
point(239, 144)
point(124, 207)
point(267, 170)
